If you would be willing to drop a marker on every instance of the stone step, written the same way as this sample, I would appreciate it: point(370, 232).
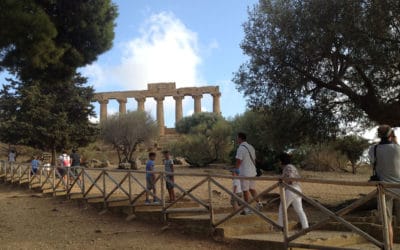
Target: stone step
point(247, 224)
point(23, 181)
point(319, 239)
point(187, 210)
point(60, 193)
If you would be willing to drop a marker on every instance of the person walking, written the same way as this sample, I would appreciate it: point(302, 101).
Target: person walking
point(385, 157)
point(34, 165)
point(75, 162)
point(65, 164)
point(245, 162)
point(151, 179)
point(170, 179)
point(12, 155)
point(290, 171)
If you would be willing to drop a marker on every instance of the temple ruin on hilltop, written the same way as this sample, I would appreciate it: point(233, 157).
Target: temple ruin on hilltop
point(159, 91)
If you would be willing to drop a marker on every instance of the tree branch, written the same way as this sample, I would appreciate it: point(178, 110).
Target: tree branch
point(368, 84)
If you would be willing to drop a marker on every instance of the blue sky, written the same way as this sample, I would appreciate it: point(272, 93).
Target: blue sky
point(192, 43)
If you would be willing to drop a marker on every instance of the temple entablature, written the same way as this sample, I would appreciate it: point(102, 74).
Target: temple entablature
point(159, 91)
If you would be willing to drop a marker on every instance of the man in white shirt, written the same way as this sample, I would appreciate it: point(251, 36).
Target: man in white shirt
point(245, 162)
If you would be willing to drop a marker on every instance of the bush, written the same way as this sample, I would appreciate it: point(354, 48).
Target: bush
point(323, 157)
point(353, 147)
point(206, 139)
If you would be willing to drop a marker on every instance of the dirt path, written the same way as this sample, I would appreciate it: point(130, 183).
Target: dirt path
point(29, 220)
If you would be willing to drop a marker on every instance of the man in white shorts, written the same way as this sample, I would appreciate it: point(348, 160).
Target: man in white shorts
point(245, 161)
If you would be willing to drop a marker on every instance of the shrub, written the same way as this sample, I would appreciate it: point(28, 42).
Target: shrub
point(206, 139)
point(324, 157)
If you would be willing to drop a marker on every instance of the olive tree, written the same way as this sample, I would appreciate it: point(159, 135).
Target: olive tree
point(206, 138)
point(343, 55)
point(125, 132)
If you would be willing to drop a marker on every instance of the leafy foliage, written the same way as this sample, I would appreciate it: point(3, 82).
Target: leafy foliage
point(205, 119)
point(48, 120)
point(353, 147)
point(126, 132)
point(338, 55)
point(321, 157)
point(281, 128)
point(52, 38)
point(206, 139)
point(42, 43)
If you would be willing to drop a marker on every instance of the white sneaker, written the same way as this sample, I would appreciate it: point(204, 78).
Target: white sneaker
point(259, 206)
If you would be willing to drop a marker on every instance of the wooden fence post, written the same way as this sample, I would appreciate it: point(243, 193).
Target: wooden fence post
point(385, 222)
point(83, 173)
point(282, 193)
point(5, 172)
point(104, 189)
point(54, 179)
point(210, 206)
point(163, 180)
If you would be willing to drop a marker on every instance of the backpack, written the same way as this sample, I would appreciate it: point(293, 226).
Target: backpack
point(66, 161)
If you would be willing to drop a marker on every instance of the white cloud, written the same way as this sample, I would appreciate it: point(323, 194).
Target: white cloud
point(165, 51)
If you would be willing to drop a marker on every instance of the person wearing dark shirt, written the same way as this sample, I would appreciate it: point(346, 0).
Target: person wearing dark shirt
point(75, 161)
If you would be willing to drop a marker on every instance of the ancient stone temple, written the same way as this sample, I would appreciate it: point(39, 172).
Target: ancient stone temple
point(159, 91)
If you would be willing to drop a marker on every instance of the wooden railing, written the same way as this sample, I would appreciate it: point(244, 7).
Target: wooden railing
point(102, 184)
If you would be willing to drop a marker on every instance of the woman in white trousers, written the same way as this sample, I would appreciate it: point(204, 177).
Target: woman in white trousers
point(290, 171)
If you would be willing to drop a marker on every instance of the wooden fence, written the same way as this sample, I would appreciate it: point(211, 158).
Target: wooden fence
point(94, 184)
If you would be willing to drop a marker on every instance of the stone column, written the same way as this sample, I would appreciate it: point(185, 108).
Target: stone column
point(122, 105)
point(178, 108)
point(103, 110)
point(216, 103)
point(160, 114)
point(140, 103)
point(197, 103)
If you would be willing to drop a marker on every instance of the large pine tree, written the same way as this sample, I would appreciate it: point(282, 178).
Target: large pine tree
point(42, 44)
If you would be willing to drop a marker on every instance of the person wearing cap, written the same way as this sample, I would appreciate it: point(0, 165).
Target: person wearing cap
point(386, 157)
point(236, 188)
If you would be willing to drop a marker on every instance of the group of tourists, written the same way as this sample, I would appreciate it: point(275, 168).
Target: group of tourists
point(69, 162)
point(246, 167)
point(151, 178)
point(384, 156)
point(65, 162)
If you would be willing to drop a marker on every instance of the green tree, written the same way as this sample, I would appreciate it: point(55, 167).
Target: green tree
point(353, 147)
point(49, 40)
point(339, 54)
point(42, 44)
point(206, 119)
point(206, 139)
point(278, 128)
point(50, 119)
point(126, 132)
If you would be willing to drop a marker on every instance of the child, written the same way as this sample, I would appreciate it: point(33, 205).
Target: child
point(236, 188)
point(290, 171)
point(169, 167)
point(150, 178)
point(35, 165)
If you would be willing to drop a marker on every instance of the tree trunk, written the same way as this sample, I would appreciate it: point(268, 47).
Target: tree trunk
point(353, 167)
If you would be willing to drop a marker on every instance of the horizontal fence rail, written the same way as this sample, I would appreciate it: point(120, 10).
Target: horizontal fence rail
point(112, 185)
